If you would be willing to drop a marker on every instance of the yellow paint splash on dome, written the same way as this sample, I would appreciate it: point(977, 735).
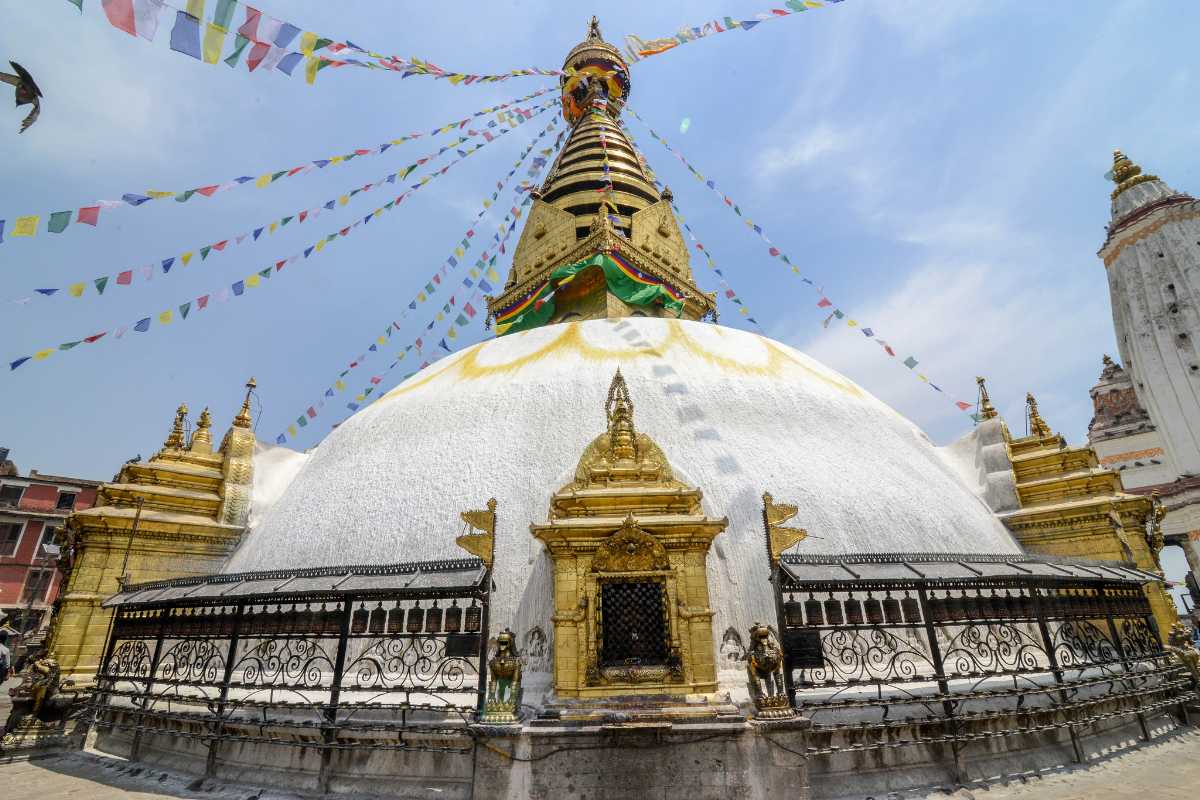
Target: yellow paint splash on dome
point(469, 364)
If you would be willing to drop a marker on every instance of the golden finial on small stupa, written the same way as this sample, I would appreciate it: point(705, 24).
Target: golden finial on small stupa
point(986, 409)
point(242, 420)
point(1037, 425)
point(619, 409)
point(175, 440)
point(202, 439)
point(1126, 174)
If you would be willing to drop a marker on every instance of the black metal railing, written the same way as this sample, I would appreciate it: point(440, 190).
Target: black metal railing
point(310, 659)
point(924, 650)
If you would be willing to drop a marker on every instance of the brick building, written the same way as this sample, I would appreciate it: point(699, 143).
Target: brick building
point(33, 509)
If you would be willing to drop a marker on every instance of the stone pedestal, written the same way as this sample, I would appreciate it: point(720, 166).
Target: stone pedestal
point(640, 759)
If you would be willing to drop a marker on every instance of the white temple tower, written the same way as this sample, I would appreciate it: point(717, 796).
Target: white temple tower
point(1152, 258)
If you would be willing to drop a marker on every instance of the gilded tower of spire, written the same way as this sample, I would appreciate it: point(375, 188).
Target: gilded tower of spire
point(598, 200)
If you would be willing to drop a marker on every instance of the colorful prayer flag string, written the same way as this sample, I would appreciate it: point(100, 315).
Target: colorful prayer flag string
point(268, 40)
point(239, 287)
point(835, 313)
point(637, 48)
point(125, 278)
point(58, 221)
point(479, 273)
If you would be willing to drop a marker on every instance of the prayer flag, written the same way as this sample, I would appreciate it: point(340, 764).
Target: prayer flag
point(14, 364)
point(26, 226)
point(125, 278)
point(239, 287)
point(214, 41)
point(167, 264)
point(59, 221)
point(962, 406)
point(100, 284)
point(76, 289)
point(120, 15)
point(185, 36)
point(910, 362)
point(89, 215)
point(95, 337)
point(42, 355)
point(165, 317)
point(142, 325)
point(223, 15)
point(184, 309)
point(239, 44)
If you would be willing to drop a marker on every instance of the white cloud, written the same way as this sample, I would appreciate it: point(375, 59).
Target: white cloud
point(960, 321)
point(821, 141)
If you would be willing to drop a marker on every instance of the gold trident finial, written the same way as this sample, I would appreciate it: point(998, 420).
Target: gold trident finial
point(1037, 425)
point(594, 29)
point(175, 439)
point(986, 409)
point(242, 420)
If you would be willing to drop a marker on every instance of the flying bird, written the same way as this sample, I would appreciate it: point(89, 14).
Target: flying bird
point(27, 92)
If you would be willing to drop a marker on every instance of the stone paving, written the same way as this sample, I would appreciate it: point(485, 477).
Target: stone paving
point(1167, 769)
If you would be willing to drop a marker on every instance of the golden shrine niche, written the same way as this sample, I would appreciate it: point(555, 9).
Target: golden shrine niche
point(630, 546)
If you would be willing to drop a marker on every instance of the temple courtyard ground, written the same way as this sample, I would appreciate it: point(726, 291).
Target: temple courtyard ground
point(1167, 769)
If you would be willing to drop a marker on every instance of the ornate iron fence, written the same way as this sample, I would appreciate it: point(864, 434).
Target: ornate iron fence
point(381, 657)
point(899, 649)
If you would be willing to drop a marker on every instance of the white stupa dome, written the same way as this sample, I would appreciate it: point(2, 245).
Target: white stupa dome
point(736, 414)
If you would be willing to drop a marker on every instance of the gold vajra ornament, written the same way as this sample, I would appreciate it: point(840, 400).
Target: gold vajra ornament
point(764, 670)
point(503, 701)
point(780, 538)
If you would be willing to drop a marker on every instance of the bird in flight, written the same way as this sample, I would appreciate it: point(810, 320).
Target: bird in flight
point(27, 92)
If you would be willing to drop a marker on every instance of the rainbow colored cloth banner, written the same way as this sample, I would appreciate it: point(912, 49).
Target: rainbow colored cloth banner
point(624, 280)
point(637, 48)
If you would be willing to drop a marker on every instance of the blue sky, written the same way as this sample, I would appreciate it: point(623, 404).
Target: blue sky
point(936, 166)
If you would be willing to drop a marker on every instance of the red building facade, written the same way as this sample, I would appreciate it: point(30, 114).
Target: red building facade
point(33, 509)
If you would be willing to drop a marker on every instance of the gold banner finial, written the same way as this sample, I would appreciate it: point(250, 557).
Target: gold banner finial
point(482, 545)
point(242, 420)
point(1126, 174)
point(201, 438)
point(779, 538)
point(1037, 425)
point(175, 438)
point(986, 409)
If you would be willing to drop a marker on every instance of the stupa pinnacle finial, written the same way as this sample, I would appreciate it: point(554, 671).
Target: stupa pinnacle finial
point(202, 439)
point(619, 409)
point(1126, 174)
point(175, 439)
point(1037, 425)
point(242, 420)
point(986, 409)
point(594, 29)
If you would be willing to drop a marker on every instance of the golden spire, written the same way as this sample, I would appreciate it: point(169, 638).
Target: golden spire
point(201, 439)
point(1126, 174)
point(1037, 425)
point(242, 420)
point(593, 32)
point(986, 409)
point(619, 409)
point(175, 440)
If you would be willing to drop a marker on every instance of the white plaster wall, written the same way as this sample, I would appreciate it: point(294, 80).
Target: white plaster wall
point(1133, 477)
point(1154, 287)
point(736, 415)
